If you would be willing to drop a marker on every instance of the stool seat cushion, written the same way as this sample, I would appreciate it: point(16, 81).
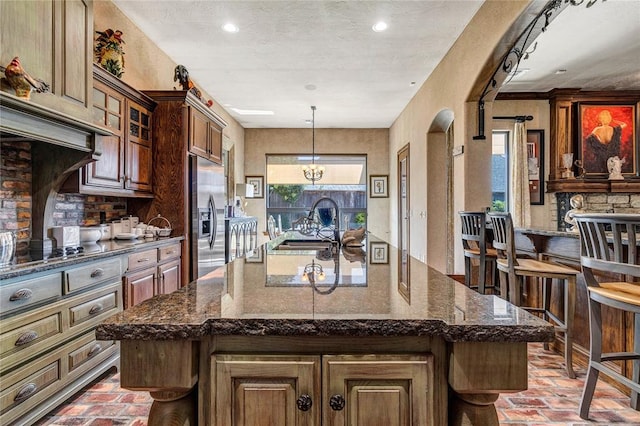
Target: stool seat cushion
point(620, 291)
point(537, 266)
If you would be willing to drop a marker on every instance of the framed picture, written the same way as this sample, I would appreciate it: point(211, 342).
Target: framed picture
point(378, 252)
point(535, 163)
point(379, 186)
point(258, 185)
point(606, 131)
point(255, 256)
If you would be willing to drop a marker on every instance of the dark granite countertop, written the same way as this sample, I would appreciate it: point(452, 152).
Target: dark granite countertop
point(268, 294)
point(99, 250)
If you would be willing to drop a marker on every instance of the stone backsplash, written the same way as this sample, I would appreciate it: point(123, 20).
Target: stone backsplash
point(598, 203)
point(15, 197)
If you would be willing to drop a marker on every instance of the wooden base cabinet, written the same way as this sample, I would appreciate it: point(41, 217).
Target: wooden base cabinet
point(48, 347)
point(151, 272)
point(358, 390)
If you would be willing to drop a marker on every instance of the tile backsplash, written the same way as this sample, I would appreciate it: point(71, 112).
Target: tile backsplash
point(15, 197)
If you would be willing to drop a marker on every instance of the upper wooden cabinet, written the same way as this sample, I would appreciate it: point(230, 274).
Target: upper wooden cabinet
point(54, 41)
point(125, 159)
point(205, 136)
point(199, 124)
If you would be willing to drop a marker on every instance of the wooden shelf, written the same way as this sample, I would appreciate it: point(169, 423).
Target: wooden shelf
point(593, 185)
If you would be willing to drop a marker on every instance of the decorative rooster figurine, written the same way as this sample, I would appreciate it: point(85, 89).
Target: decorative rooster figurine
point(21, 81)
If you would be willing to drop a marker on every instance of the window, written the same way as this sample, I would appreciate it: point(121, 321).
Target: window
point(290, 196)
point(500, 171)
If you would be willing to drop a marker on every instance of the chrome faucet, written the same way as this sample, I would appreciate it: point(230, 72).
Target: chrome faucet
point(336, 232)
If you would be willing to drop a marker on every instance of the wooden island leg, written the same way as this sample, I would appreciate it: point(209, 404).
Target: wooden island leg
point(478, 373)
point(173, 409)
point(474, 409)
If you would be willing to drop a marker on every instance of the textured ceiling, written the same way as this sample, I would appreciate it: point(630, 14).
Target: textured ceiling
point(363, 78)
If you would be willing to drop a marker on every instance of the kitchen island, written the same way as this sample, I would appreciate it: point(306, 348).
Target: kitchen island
point(324, 337)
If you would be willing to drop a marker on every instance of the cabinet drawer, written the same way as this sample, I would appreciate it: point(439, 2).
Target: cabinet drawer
point(96, 272)
point(87, 352)
point(29, 334)
point(92, 308)
point(29, 292)
point(169, 252)
point(31, 389)
point(143, 259)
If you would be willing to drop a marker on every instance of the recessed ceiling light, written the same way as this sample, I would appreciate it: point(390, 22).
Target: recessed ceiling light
point(379, 26)
point(252, 111)
point(310, 87)
point(230, 28)
point(413, 83)
point(561, 71)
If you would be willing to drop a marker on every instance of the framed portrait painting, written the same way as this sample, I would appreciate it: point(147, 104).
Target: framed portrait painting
point(258, 185)
point(607, 131)
point(535, 164)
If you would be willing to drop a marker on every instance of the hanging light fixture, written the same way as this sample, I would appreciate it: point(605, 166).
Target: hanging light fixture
point(313, 172)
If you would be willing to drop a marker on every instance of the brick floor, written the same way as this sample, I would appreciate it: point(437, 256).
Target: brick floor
point(552, 399)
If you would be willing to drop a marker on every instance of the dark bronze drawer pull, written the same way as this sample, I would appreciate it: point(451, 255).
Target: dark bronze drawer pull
point(97, 273)
point(336, 402)
point(96, 308)
point(26, 337)
point(26, 391)
point(304, 402)
point(95, 350)
point(22, 294)
point(171, 252)
point(146, 259)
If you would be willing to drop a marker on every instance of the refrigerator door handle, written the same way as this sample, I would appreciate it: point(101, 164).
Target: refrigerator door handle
point(213, 214)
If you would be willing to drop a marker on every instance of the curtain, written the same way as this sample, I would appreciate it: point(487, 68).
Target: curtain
point(519, 178)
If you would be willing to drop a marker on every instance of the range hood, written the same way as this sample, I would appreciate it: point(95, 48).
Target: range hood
point(60, 145)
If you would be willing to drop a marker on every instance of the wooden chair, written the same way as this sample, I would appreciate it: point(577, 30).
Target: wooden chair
point(474, 242)
point(514, 270)
point(610, 250)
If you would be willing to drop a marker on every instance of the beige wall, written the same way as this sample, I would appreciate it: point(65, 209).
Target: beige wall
point(372, 142)
point(149, 68)
point(448, 88)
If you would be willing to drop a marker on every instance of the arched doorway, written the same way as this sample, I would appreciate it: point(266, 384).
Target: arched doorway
point(439, 214)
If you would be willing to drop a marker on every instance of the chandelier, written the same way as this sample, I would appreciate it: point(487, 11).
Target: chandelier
point(312, 272)
point(313, 172)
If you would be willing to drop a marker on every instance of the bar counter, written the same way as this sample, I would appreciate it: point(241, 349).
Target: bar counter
point(257, 309)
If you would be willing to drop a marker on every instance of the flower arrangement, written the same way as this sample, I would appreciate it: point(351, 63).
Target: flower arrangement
point(109, 52)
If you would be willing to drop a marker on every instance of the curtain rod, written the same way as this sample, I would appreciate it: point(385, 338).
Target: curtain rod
point(519, 118)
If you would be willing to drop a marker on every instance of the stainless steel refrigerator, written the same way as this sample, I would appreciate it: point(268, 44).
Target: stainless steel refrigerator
point(207, 201)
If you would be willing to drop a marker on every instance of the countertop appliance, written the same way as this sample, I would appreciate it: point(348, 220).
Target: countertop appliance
point(207, 202)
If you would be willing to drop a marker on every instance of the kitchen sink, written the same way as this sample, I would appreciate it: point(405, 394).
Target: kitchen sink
point(304, 245)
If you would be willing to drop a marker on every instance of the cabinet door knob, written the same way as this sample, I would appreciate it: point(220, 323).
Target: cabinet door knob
point(304, 402)
point(95, 350)
point(336, 402)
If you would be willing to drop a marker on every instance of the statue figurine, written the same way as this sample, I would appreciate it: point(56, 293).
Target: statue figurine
point(577, 204)
point(614, 165)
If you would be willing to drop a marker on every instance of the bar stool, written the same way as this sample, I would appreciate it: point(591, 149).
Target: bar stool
point(513, 271)
point(474, 242)
point(610, 249)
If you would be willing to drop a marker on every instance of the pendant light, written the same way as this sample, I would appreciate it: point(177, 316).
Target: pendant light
point(313, 172)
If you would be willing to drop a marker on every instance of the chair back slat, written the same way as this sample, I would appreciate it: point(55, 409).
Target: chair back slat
point(473, 229)
point(609, 244)
point(503, 239)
